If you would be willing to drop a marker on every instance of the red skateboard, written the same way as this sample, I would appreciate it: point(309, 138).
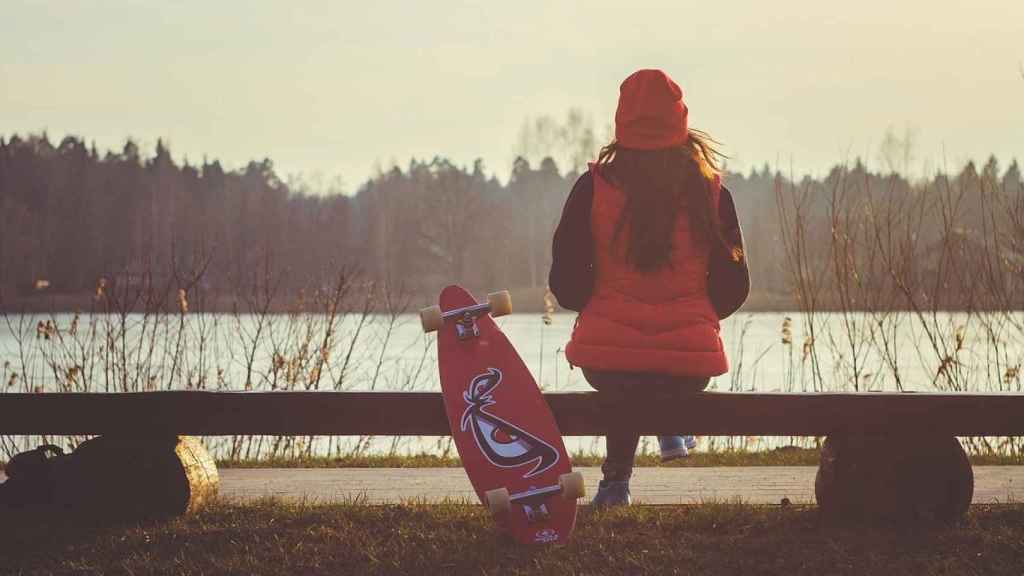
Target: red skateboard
point(503, 429)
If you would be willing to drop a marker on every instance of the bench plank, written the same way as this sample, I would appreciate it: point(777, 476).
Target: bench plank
point(578, 413)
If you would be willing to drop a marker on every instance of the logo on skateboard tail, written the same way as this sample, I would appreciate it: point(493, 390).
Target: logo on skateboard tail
point(546, 535)
point(504, 444)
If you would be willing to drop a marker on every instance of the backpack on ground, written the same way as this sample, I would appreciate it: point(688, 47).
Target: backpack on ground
point(32, 477)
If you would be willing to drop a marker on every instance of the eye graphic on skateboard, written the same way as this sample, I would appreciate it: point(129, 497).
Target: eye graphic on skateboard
point(503, 436)
point(503, 444)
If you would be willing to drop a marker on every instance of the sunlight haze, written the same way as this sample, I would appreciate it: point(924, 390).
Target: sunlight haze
point(337, 88)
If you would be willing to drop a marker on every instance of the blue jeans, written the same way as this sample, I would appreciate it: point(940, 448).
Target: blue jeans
point(612, 388)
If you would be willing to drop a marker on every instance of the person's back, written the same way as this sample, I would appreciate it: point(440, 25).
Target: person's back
point(649, 252)
point(659, 320)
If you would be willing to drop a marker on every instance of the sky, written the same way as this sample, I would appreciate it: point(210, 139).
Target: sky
point(341, 88)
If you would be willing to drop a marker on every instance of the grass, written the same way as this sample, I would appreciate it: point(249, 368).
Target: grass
point(273, 537)
point(789, 456)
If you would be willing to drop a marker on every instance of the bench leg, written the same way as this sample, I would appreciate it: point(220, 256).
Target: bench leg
point(200, 471)
point(893, 477)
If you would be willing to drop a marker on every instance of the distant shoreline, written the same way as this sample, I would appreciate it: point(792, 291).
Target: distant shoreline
point(524, 300)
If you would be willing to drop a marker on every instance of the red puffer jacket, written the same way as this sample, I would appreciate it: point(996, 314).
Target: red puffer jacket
point(646, 322)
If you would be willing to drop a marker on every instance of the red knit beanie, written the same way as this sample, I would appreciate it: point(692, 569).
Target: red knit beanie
point(651, 113)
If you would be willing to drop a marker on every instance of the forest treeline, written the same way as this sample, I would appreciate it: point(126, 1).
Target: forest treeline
point(72, 218)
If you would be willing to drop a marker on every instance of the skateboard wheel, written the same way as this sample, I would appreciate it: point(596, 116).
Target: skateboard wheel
point(572, 486)
point(431, 319)
point(498, 501)
point(500, 303)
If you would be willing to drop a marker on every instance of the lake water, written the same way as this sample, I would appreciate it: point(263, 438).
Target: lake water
point(767, 352)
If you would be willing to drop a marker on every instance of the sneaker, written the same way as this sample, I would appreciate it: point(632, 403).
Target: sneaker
point(690, 442)
point(672, 447)
point(611, 493)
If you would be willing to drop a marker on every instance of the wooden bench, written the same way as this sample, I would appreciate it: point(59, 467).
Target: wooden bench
point(886, 454)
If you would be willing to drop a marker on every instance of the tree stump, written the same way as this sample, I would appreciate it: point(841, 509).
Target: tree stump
point(893, 477)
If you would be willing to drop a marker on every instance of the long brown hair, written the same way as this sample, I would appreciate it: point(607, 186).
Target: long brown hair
point(657, 185)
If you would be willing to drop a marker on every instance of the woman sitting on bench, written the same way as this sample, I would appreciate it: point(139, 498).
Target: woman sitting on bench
point(649, 252)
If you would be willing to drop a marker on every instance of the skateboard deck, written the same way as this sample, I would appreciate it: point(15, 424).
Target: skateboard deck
point(503, 429)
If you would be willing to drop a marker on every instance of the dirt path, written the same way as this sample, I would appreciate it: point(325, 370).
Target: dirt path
point(755, 485)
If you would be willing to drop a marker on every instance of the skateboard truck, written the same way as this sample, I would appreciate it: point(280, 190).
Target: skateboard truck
point(536, 514)
point(498, 304)
point(465, 326)
point(533, 500)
